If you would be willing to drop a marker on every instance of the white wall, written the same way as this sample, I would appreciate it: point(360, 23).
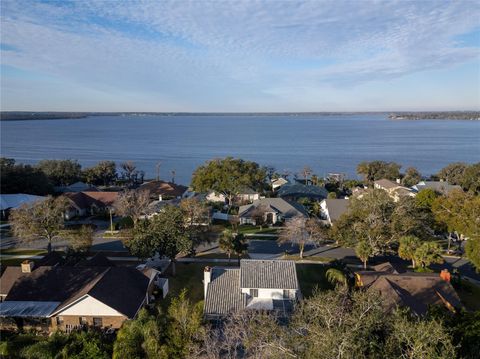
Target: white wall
point(270, 293)
point(89, 306)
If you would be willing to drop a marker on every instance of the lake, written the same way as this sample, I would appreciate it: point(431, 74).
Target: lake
point(326, 143)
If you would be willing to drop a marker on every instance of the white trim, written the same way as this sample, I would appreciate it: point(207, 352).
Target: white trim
point(57, 312)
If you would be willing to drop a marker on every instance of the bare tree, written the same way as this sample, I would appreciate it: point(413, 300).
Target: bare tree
point(307, 171)
point(132, 203)
point(40, 220)
point(300, 231)
point(258, 215)
point(81, 239)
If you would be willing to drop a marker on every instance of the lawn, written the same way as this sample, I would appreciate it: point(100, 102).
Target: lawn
point(26, 252)
point(221, 256)
point(296, 257)
point(470, 295)
point(312, 276)
point(257, 230)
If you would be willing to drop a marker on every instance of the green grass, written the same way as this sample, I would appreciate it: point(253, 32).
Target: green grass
point(296, 257)
point(310, 277)
point(470, 295)
point(221, 256)
point(15, 251)
point(257, 230)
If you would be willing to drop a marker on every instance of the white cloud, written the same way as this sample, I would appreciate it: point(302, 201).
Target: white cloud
point(203, 52)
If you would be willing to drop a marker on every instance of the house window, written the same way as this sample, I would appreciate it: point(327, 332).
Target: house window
point(97, 322)
point(83, 321)
point(286, 294)
point(254, 292)
point(59, 320)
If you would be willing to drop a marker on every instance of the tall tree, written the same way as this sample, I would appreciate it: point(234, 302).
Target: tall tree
point(61, 172)
point(368, 219)
point(376, 170)
point(232, 243)
point(300, 231)
point(408, 218)
point(19, 178)
point(364, 250)
point(81, 239)
point(43, 219)
point(407, 247)
point(129, 171)
point(411, 177)
point(460, 212)
point(132, 203)
point(428, 253)
point(164, 234)
point(471, 178)
point(227, 176)
point(103, 173)
point(453, 173)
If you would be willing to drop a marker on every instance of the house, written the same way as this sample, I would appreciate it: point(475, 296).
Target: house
point(89, 203)
point(274, 210)
point(295, 191)
point(12, 201)
point(394, 189)
point(416, 291)
point(333, 208)
point(255, 285)
point(245, 195)
point(163, 190)
point(278, 182)
point(438, 186)
point(93, 293)
point(76, 187)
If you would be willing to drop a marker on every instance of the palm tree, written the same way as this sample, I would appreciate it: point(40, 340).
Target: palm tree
point(336, 276)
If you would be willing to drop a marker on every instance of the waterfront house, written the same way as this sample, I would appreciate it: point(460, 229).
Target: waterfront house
point(441, 187)
point(333, 208)
point(296, 191)
point(278, 182)
point(394, 189)
point(93, 293)
point(76, 187)
point(162, 190)
point(274, 210)
point(417, 291)
point(256, 285)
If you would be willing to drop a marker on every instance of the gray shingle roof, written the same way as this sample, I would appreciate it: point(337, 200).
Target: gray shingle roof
point(268, 274)
point(223, 293)
point(286, 208)
point(439, 186)
point(336, 207)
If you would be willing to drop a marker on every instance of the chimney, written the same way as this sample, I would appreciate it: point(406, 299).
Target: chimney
point(27, 266)
point(160, 199)
point(207, 277)
point(445, 275)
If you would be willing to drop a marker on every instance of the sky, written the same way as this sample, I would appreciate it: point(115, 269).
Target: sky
point(240, 56)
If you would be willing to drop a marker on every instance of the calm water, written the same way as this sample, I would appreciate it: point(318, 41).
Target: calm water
point(181, 143)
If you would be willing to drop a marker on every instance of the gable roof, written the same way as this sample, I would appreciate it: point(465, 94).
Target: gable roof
point(438, 186)
point(286, 208)
point(336, 207)
point(273, 274)
point(122, 288)
point(386, 183)
point(301, 190)
point(223, 294)
point(414, 290)
point(90, 198)
point(169, 189)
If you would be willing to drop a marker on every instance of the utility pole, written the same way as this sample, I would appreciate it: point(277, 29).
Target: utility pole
point(158, 170)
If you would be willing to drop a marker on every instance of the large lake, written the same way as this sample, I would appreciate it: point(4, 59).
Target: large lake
point(334, 143)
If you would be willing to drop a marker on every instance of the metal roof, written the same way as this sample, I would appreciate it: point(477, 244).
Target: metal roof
point(273, 274)
point(27, 309)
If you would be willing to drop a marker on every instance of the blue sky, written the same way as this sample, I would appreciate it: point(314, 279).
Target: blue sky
point(240, 55)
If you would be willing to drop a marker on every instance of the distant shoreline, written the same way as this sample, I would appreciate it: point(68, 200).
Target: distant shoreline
point(434, 115)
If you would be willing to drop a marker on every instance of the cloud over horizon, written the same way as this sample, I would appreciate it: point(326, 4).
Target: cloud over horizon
point(240, 56)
